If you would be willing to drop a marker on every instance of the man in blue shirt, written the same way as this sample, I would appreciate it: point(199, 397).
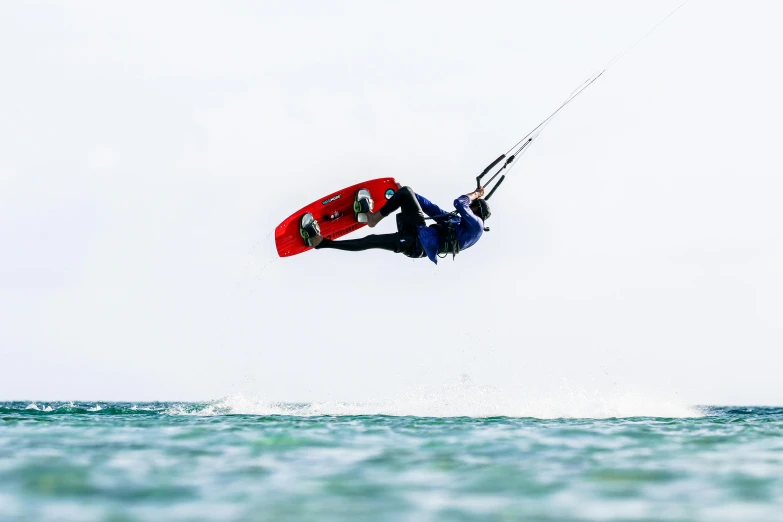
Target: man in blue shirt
point(450, 233)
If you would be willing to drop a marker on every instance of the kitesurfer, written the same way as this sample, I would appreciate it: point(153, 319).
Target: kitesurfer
point(451, 232)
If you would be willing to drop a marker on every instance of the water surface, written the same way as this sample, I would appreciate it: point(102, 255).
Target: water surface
point(190, 462)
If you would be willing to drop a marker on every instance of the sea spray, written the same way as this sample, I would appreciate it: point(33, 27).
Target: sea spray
point(461, 397)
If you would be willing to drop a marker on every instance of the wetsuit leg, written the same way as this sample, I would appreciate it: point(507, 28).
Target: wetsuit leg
point(397, 243)
point(405, 241)
point(412, 214)
point(388, 242)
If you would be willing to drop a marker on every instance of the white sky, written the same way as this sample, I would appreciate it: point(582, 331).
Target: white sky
point(149, 149)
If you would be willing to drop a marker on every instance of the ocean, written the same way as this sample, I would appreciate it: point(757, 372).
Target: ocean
point(239, 460)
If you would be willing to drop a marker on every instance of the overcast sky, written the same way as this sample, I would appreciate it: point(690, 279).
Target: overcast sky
point(148, 150)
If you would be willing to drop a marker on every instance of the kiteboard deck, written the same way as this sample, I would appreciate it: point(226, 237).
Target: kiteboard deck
point(334, 213)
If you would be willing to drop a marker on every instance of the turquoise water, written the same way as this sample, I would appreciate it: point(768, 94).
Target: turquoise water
point(190, 462)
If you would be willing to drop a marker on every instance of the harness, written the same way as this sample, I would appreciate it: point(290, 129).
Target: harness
point(448, 239)
point(448, 234)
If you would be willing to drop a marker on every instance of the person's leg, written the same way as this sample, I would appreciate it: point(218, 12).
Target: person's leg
point(390, 242)
point(404, 199)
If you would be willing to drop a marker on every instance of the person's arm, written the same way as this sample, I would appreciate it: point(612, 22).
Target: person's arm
point(469, 219)
point(429, 208)
point(432, 210)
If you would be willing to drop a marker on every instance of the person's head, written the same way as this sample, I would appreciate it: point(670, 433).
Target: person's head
point(481, 208)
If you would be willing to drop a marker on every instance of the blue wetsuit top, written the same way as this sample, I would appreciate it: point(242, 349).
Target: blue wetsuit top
point(467, 225)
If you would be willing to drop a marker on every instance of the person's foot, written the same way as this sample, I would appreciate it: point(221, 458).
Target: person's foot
point(316, 240)
point(373, 218)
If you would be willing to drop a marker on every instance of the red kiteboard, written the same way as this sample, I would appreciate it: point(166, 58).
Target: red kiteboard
point(334, 213)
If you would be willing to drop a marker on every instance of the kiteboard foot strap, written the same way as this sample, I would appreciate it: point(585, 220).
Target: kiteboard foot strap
point(362, 205)
point(309, 229)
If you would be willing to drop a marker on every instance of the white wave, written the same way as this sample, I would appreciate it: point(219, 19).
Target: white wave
point(32, 406)
point(461, 399)
point(96, 408)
